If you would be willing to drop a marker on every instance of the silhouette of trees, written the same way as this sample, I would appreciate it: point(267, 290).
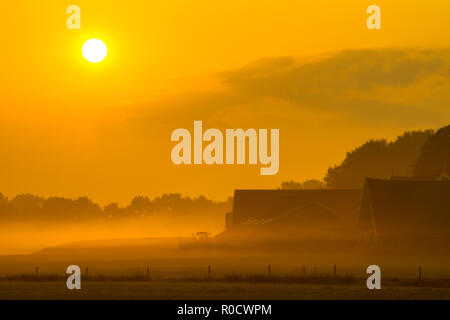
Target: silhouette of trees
point(308, 184)
point(140, 205)
point(313, 184)
point(113, 210)
point(28, 207)
point(434, 156)
point(377, 159)
point(27, 202)
point(6, 209)
point(291, 185)
point(85, 207)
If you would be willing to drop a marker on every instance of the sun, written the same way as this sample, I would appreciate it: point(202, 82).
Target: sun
point(94, 50)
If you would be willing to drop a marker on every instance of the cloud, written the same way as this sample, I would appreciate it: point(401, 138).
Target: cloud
point(346, 70)
point(404, 86)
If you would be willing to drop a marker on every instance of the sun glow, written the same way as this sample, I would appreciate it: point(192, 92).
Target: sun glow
point(94, 50)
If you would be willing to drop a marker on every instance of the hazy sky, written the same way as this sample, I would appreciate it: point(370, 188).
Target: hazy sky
point(310, 68)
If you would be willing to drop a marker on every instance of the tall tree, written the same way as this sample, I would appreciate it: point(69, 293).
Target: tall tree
point(434, 156)
point(377, 159)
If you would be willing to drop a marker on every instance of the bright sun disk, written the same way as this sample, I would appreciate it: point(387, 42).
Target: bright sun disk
point(94, 50)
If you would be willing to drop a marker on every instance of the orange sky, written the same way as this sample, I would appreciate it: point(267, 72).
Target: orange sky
point(72, 128)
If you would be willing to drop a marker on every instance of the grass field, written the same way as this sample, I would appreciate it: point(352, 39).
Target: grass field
point(210, 290)
point(140, 271)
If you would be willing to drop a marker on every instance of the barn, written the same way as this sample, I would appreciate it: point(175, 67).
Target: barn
point(290, 215)
point(308, 205)
point(405, 212)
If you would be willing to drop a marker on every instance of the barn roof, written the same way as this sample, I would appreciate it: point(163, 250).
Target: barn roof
point(268, 206)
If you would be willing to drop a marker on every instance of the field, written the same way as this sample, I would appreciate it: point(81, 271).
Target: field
point(147, 269)
point(210, 290)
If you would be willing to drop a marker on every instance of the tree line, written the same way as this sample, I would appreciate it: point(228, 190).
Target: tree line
point(421, 154)
point(26, 207)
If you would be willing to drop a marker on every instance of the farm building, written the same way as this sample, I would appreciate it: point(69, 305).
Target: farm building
point(396, 211)
point(405, 211)
point(307, 206)
point(286, 215)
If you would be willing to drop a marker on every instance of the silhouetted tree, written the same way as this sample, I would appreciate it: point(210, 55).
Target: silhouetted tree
point(377, 159)
point(291, 185)
point(140, 205)
point(57, 208)
point(3, 200)
point(27, 202)
point(313, 184)
point(434, 156)
point(6, 209)
point(113, 210)
point(84, 207)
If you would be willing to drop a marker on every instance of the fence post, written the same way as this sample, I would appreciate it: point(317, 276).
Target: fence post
point(37, 271)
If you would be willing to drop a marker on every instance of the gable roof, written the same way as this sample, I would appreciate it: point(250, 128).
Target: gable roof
point(254, 206)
